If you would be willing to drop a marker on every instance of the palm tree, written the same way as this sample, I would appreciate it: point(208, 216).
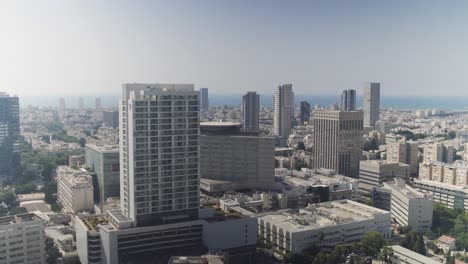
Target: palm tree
point(386, 254)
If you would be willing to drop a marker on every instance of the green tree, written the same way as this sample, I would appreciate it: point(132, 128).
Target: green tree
point(372, 243)
point(460, 224)
point(9, 198)
point(385, 254)
point(52, 252)
point(82, 142)
point(462, 241)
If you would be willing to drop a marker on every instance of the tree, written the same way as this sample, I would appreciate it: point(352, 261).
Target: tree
point(52, 252)
point(26, 188)
point(18, 210)
point(9, 198)
point(82, 142)
point(372, 243)
point(443, 219)
point(386, 254)
point(449, 258)
point(460, 224)
point(462, 241)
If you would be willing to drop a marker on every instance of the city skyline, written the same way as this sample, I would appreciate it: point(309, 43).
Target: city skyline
point(403, 45)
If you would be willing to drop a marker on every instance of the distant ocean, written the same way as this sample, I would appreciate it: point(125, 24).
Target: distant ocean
point(397, 102)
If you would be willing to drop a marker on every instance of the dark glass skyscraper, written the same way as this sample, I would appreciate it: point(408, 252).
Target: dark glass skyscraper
point(10, 158)
point(251, 107)
point(348, 100)
point(304, 112)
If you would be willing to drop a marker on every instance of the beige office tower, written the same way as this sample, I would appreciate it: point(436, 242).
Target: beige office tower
point(283, 103)
point(159, 126)
point(405, 152)
point(337, 141)
point(434, 152)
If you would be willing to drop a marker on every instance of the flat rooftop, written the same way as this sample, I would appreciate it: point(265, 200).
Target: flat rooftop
point(405, 190)
point(15, 219)
point(324, 214)
point(92, 221)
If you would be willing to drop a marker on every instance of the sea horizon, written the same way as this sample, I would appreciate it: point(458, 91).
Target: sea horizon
point(391, 101)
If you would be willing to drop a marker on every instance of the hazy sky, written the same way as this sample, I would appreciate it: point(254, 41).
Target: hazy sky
point(321, 47)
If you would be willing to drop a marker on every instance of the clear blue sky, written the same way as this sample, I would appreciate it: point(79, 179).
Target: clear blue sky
point(321, 47)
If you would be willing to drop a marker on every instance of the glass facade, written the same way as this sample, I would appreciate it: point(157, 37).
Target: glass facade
point(10, 158)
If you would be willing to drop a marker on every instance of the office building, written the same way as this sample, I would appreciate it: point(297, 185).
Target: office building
point(304, 112)
point(104, 161)
point(74, 190)
point(22, 239)
point(371, 104)
point(372, 173)
point(81, 105)
point(438, 152)
point(10, 159)
point(408, 206)
point(405, 152)
point(61, 104)
point(403, 255)
point(251, 107)
point(204, 101)
point(98, 104)
point(452, 196)
point(337, 141)
point(340, 222)
point(283, 113)
point(244, 159)
point(110, 118)
point(348, 100)
point(88, 239)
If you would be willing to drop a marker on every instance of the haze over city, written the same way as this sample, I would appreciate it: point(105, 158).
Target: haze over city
point(233, 132)
point(322, 47)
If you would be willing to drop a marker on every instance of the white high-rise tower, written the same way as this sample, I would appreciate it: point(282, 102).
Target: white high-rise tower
point(159, 126)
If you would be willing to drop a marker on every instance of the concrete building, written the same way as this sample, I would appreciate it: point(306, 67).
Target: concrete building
point(204, 101)
point(451, 174)
point(74, 190)
point(10, 159)
point(63, 237)
point(22, 239)
point(110, 118)
point(76, 160)
point(451, 196)
point(408, 206)
point(81, 104)
point(371, 104)
point(337, 141)
point(372, 173)
point(340, 222)
point(283, 112)
point(304, 113)
point(405, 152)
point(403, 255)
point(228, 154)
point(348, 100)
point(104, 161)
point(62, 106)
point(438, 152)
point(88, 239)
point(159, 142)
point(98, 104)
point(251, 108)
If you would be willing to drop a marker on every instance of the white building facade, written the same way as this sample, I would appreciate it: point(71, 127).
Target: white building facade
point(75, 190)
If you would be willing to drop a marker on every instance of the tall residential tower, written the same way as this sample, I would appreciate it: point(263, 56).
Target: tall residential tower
point(251, 107)
point(371, 104)
point(159, 126)
point(10, 159)
point(283, 116)
point(204, 102)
